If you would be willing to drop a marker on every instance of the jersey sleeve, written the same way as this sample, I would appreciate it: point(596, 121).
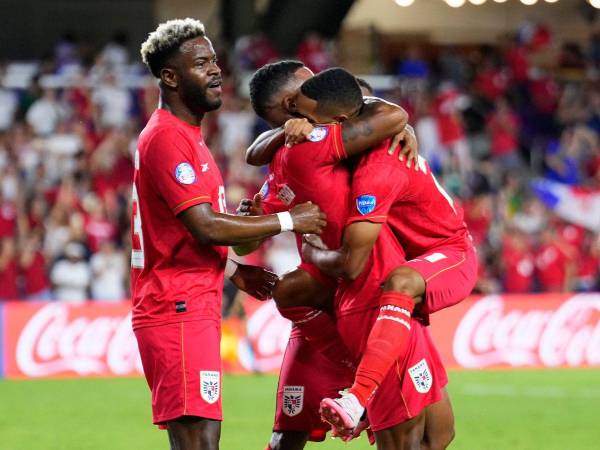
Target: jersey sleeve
point(270, 203)
point(172, 165)
point(323, 146)
point(375, 187)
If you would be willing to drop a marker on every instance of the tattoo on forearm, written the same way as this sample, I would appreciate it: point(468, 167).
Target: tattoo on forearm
point(352, 131)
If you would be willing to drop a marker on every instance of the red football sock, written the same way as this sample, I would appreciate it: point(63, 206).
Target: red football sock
point(387, 342)
point(319, 329)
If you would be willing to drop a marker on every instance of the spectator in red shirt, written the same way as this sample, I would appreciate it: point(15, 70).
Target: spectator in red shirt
point(36, 285)
point(504, 126)
point(8, 269)
point(554, 263)
point(518, 262)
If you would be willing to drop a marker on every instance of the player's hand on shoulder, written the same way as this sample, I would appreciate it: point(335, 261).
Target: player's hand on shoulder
point(308, 218)
point(408, 148)
point(254, 280)
point(296, 131)
point(250, 207)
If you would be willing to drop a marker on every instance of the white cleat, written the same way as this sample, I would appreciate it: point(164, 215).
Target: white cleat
point(342, 413)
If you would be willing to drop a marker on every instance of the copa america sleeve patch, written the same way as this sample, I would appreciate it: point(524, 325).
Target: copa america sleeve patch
point(421, 376)
point(366, 204)
point(184, 173)
point(210, 385)
point(264, 190)
point(317, 134)
point(293, 400)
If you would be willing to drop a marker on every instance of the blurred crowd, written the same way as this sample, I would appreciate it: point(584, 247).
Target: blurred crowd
point(488, 119)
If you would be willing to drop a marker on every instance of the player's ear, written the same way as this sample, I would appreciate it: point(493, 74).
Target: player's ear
point(289, 103)
point(168, 77)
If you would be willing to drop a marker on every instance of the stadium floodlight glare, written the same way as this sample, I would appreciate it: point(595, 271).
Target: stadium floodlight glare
point(477, 2)
point(455, 3)
point(551, 1)
point(500, 1)
point(529, 2)
point(595, 3)
point(404, 2)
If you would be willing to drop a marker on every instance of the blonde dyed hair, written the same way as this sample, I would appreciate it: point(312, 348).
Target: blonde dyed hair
point(166, 39)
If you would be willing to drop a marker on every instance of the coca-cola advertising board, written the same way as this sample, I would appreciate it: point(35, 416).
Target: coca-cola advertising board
point(93, 339)
point(520, 331)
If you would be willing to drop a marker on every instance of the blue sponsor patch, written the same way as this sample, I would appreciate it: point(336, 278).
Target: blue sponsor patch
point(264, 190)
point(366, 204)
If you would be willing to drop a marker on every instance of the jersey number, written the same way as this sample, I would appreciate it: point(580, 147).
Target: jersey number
point(137, 244)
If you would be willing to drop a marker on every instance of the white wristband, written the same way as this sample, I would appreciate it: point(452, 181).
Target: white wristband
point(230, 268)
point(285, 221)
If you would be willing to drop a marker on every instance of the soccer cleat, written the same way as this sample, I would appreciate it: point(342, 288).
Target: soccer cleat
point(342, 413)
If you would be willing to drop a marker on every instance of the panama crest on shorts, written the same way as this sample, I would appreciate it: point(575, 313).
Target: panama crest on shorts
point(421, 376)
point(293, 400)
point(210, 385)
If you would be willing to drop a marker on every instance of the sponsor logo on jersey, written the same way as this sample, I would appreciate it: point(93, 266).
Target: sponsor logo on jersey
point(210, 385)
point(366, 204)
point(264, 190)
point(317, 134)
point(293, 400)
point(184, 173)
point(421, 376)
point(286, 195)
point(204, 167)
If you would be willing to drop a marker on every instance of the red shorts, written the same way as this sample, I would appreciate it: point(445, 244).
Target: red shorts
point(450, 275)
point(306, 378)
point(182, 365)
point(412, 384)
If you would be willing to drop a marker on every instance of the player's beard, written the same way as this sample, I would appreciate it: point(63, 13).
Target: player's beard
point(197, 98)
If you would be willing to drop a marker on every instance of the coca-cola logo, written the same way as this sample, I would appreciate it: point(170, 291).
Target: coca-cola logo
point(491, 334)
point(267, 334)
point(54, 343)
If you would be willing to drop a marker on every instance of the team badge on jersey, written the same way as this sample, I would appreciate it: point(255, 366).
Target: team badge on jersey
point(286, 195)
point(210, 385)
point(317, 134)
point(421, 376)
point(293, 400)
point(366, 204)
point(184, 173)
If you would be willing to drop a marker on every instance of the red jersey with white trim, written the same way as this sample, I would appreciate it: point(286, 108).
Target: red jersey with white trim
point(173, 277)
point(311, 171)
point(418, 210)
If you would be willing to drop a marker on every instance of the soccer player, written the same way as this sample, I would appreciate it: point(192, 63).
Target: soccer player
point(442, 265)
point(180, 230)
point(303, 175)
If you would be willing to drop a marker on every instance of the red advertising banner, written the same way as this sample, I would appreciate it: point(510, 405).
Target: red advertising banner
point(94, 339)
point(520, 331)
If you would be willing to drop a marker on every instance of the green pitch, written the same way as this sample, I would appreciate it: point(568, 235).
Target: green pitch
point(512, 410)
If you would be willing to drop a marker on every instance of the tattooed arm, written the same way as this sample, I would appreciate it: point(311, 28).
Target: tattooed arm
point(377, 121)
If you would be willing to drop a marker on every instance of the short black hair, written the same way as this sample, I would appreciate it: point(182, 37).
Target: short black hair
point(267, 81)
point(335, 88)
point(365, 84)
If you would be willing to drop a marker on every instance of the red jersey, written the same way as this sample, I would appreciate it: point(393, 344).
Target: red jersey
point(551, 265)
point(519, 265)
point(173, 277)
point(418, 210)
point(310, 171)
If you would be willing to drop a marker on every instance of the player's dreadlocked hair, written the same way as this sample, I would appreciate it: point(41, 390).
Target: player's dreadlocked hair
point(267, 80)
point(165, 41)
point(334, 88)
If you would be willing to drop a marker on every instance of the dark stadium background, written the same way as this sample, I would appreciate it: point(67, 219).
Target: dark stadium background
point(505, 100)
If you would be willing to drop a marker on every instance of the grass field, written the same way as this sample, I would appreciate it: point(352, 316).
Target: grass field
point(511, 410)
